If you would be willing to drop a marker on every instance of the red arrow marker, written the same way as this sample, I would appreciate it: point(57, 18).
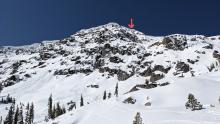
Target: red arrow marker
point(131, 25)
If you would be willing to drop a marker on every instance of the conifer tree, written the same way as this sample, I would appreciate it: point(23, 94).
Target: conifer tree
point(1, 88)
point(31, 115)
point(116, 90)
point(16, 116)
point(58, 110)
point(137, 119)
point(109, 95)
point(27, 114)
point(63, 110)
point(1, 120)
point(53, 112)
point(9, 117)
point(219, 99)
point(104, 96)
point(50, 105)
point(20, 116)
point(81, 101)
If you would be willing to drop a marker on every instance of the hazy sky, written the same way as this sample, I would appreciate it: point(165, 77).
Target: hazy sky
point(29, 21)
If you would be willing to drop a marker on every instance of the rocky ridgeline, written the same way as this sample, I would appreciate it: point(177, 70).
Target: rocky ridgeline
point(110, 49)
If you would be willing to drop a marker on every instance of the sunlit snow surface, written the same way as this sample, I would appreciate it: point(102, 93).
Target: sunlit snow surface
point(168, 102)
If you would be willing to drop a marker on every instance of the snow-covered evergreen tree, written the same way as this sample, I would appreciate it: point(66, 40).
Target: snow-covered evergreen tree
point(31, 113)
point(116, 90)
point(16, 116)
point(27, 114)
point(193, 103)
point(1, 120)
point(104, 96)
point(50, 105)
point(10, 115)
point(81, 101)
point(137, 119)
point(20, 116)
point(109, 95)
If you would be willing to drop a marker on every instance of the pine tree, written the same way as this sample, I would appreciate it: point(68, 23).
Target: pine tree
point(219, 99)
point(81, 101)
point(1, 120)
point(109, 95)
point(9, 117)
point(20, 116)
point(137, 119)
point(104, 96)
point(53, 112)
point(27, 114)
point(16, 115)
point(116, 90)
point(50, 105)
point(63, 110)
point(193, 103)
point(58, 110)
point(31, 115)
point(1, 88)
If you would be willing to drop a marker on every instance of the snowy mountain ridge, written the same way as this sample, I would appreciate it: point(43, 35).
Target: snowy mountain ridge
point(147, 69)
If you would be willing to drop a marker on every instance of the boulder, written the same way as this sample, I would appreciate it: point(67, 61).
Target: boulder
point(182, 67)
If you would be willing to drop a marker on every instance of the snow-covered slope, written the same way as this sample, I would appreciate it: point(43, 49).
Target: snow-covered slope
point(157, 70)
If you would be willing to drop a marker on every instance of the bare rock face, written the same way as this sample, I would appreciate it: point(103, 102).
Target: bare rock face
point(115, 59)
point(216, 54)
point(173, 43)
point(182, 67)
point(129, 100)
point(154, 77)
point(147, 72)
point(45, 55)
point(122, 75)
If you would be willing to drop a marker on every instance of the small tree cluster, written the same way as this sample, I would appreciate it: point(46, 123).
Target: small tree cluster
point(137, 119)
point(105, 95)
point(54, 110)
point(192, 103)
point(10, 115)
point(29, 114)
point(15, 116)
point(7, 100)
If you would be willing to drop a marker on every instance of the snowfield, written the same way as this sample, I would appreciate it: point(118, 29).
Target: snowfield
point(69, 68)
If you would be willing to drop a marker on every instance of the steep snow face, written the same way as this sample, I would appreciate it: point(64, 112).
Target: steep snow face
point(157, 70)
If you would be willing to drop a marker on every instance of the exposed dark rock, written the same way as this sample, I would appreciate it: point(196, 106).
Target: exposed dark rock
point(210, 46)
point(161, 68)
point(129, 100)
point(164, 84)
point(182, 67)
point(143, 86)
point(16, 65)
point(93, 86)
point(115, 59)
point(45, 55)
point(216, 54)
point(192, 61)
point(173, 43)
point(148, 104)
point(75, 58)
point(154, 77)
point(147, 72)
point(27, 75)
point(122, 75)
